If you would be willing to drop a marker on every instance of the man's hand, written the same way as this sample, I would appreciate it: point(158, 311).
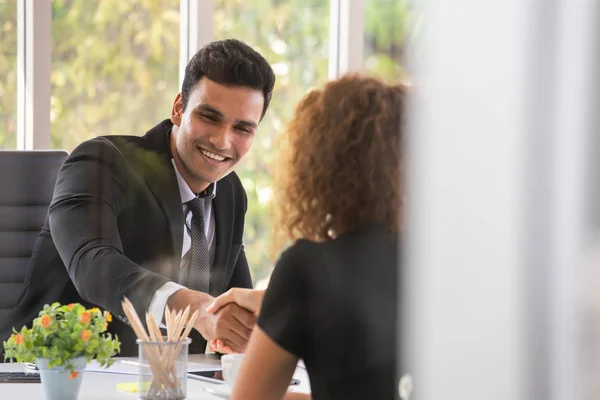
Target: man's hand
point(232, 324)
point(249, 299)
point(187, 297)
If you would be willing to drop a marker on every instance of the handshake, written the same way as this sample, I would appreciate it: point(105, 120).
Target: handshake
point(226, 322)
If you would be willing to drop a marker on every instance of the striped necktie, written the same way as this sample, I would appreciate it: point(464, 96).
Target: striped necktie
point(199, 274)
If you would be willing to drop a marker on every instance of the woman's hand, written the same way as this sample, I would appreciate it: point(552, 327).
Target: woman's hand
point(249, 299)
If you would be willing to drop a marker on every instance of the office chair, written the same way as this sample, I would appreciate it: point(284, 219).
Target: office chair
point(26, 185)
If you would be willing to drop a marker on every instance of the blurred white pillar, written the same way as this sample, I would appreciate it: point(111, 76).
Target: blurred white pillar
point(574, 118)
point(497, 222)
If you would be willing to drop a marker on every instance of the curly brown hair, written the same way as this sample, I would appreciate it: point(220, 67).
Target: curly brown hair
point(338, 164)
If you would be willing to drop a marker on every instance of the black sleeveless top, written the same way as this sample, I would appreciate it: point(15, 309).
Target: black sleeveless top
point(334, 305)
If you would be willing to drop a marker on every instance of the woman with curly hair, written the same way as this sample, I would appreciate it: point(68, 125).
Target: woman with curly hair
point(332, 297)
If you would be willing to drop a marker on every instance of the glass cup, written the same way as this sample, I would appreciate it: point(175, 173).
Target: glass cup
point(163, 370)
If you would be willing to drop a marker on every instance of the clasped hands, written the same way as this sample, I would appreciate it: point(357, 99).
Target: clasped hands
point(226, 321)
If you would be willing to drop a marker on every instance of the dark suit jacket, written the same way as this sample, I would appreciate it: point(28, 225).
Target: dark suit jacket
point(115, 229)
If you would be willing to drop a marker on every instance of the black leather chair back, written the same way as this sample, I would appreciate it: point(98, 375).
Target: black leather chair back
point(26, 185)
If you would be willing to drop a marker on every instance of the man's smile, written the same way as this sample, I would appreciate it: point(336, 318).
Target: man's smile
point(213, 157)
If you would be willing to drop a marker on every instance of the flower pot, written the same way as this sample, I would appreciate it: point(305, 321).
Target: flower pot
point(58, 382)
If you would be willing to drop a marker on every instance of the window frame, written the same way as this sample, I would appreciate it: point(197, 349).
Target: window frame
point(196, 29)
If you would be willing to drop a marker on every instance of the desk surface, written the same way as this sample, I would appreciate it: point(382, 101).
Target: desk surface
point(103, 385)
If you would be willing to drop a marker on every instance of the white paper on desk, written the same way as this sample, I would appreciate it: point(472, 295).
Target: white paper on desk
point(116, 368)
point(125, 369)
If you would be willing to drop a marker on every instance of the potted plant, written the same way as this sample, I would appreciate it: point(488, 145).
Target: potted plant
point(62, 340)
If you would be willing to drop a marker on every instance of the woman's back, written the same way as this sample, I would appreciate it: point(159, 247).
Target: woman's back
point(338, 196)
point(334, 305)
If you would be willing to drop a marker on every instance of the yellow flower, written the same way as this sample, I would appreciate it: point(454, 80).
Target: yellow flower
point(107, 316)
point(85, 317)
point(95, 310)
point(85, 335)
point(45, 321)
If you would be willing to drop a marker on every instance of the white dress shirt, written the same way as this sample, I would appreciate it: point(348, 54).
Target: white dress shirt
point(162, 294)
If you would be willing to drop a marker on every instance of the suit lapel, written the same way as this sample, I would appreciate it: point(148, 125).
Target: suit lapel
point(223, 209)
point(162, 182)
point(164, 188)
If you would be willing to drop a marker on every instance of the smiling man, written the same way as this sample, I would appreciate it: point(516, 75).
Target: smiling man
point(159, 218)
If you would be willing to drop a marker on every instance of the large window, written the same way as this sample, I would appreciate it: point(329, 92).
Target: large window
point(8, 74)
point(293, 36)
point(388, 24)
point(115, 67)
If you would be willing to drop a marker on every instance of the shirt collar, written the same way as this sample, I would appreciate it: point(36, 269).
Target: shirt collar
point(186, 193)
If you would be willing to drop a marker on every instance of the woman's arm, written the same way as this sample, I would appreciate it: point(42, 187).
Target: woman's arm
point(266, 371)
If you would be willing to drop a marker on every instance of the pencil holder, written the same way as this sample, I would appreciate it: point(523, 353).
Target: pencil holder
point(163, 369)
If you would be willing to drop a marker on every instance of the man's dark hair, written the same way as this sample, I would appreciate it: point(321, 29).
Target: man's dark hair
point(229, 62)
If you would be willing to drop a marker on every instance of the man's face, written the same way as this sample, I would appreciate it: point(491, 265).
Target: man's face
point(215, 132)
